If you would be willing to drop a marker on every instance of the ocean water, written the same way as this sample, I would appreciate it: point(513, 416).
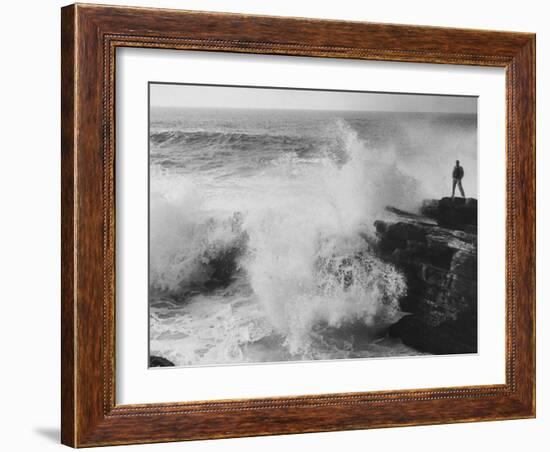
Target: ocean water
point(260, 224)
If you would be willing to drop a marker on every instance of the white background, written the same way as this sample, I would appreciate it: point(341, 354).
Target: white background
point(137, 384)
point(29, 389)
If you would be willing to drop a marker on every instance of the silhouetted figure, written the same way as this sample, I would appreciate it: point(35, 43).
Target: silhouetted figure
point(458, 174)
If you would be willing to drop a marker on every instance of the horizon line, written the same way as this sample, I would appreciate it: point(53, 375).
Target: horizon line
point(310, 109)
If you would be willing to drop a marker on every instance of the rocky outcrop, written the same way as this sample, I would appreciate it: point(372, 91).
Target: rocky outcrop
point(437, 253)
point(454, 213)
point(159, 361)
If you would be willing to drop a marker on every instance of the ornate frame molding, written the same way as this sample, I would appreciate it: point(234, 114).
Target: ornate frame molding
point(90, 37)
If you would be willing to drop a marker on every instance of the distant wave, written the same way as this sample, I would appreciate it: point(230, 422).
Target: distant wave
point(243, 141)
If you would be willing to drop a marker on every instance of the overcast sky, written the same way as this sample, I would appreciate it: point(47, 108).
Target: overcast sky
point(210, 96)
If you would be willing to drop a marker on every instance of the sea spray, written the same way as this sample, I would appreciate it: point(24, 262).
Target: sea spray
point(307, 262)
point(362, 180)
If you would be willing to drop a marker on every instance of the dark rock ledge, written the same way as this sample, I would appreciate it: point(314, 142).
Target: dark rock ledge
point(437, 253)
point(158, 361)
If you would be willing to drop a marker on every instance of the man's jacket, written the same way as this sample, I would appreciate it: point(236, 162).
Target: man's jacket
point(458, 172)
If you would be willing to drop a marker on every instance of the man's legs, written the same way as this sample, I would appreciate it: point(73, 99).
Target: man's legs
point(460, 188)
point(454, 187)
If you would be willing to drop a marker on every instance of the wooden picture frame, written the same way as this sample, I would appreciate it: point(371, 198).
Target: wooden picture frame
point(90, 35)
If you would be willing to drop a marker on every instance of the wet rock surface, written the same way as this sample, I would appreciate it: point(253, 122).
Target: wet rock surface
point(437, 253)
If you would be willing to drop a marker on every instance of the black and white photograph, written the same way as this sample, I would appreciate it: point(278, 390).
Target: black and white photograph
point(302, 224)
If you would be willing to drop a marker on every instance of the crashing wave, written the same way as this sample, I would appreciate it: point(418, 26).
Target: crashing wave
point(296, 238)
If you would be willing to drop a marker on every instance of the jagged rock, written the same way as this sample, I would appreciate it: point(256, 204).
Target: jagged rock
point(158, 361)
point(450, 337)
point(439, 262)
point(454, 213)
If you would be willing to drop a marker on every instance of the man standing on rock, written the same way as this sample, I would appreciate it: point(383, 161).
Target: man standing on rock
point(458, 174)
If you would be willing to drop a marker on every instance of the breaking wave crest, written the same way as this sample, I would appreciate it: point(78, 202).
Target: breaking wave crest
point(294, 233)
